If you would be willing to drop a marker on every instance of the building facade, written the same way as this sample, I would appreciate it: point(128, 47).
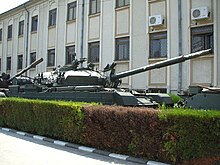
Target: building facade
point(133, 33)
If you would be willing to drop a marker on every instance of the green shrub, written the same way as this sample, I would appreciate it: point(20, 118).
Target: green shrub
point(55, 119)
point(167, 135)
point(189, 134)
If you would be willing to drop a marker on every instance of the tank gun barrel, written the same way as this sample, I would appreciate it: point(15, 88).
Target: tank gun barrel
point(160, 64)
point(35, 63)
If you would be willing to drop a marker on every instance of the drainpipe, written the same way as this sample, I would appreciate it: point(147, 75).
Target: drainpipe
point(180, 73)
point(27, 38)
point(82, 30)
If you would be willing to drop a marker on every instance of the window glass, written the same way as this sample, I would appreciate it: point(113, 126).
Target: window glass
point(70, 54)
point(34, 23)
point(9, 31)
point(71, 13)
point(20, 61)
point(158, 45)
point(121, 3)
point(0, 34)
point(32, 57)
point(95, 6)
point(8, 67)
point(52, 17)
point(93, 52)
point(122, 49)
point(21, 28)
point(51, 57)
point(202, 38)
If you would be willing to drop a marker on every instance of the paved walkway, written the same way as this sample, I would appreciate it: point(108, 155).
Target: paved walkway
point(20, 150)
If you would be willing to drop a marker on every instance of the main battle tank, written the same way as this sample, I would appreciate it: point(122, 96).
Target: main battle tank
point(86, 84)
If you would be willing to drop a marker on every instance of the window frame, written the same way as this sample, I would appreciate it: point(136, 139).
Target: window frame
point(122, 3)
point(33, 57)
point(10, 33)
point(8, 64)
point(94, 52)
point(52, 17)
point(1, 35)
point(70, 57)
point(124, 41)
point(20, 62)
point(71, 7)
point(97, 7)
point(159, 37)
point(34, 23)
point(204, 32)
point(51, 57)
point(21, 28)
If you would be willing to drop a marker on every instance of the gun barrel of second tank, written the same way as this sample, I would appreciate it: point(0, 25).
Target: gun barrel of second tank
point(35, 63)
point(161, 64)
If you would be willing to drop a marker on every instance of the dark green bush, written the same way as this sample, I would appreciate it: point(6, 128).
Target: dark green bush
point(54, 119)
point(189, 134)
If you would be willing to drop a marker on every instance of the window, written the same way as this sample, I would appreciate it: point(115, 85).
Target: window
point(93, 52)
point(8, 67)
point(34, 23)
point(32, 57)
point(202, 38)
point(71, 13)
point(51, 57)
point(20, 61)
point(70, 54)
point(121, 3)
point(0, 64)
point(52, 17)
point(122, 49)
point(94, 6)
point(10, 32)
point(21, 28)
point(0, 35)
point(158, 45)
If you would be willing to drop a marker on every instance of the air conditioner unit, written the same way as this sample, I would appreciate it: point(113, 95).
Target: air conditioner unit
point(199, 13)
point(156, 20)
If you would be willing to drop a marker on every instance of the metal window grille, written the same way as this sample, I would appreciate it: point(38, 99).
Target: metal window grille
point(93, 52)
point(202, 38)
point(71, 13)
point(122, 49)
point(51, 57)
point(52, 17)
point(70, 54)
point(158, 45)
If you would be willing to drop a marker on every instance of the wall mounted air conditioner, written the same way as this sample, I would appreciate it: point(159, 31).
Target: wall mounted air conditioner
point(199, 13)
point(156, 20)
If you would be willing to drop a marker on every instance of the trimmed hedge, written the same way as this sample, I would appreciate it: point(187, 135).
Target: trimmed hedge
point(50, 118)
point(172, 135)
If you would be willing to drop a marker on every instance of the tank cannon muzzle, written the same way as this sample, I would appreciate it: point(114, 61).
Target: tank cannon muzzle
point(32, 65)
point(161, 64)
